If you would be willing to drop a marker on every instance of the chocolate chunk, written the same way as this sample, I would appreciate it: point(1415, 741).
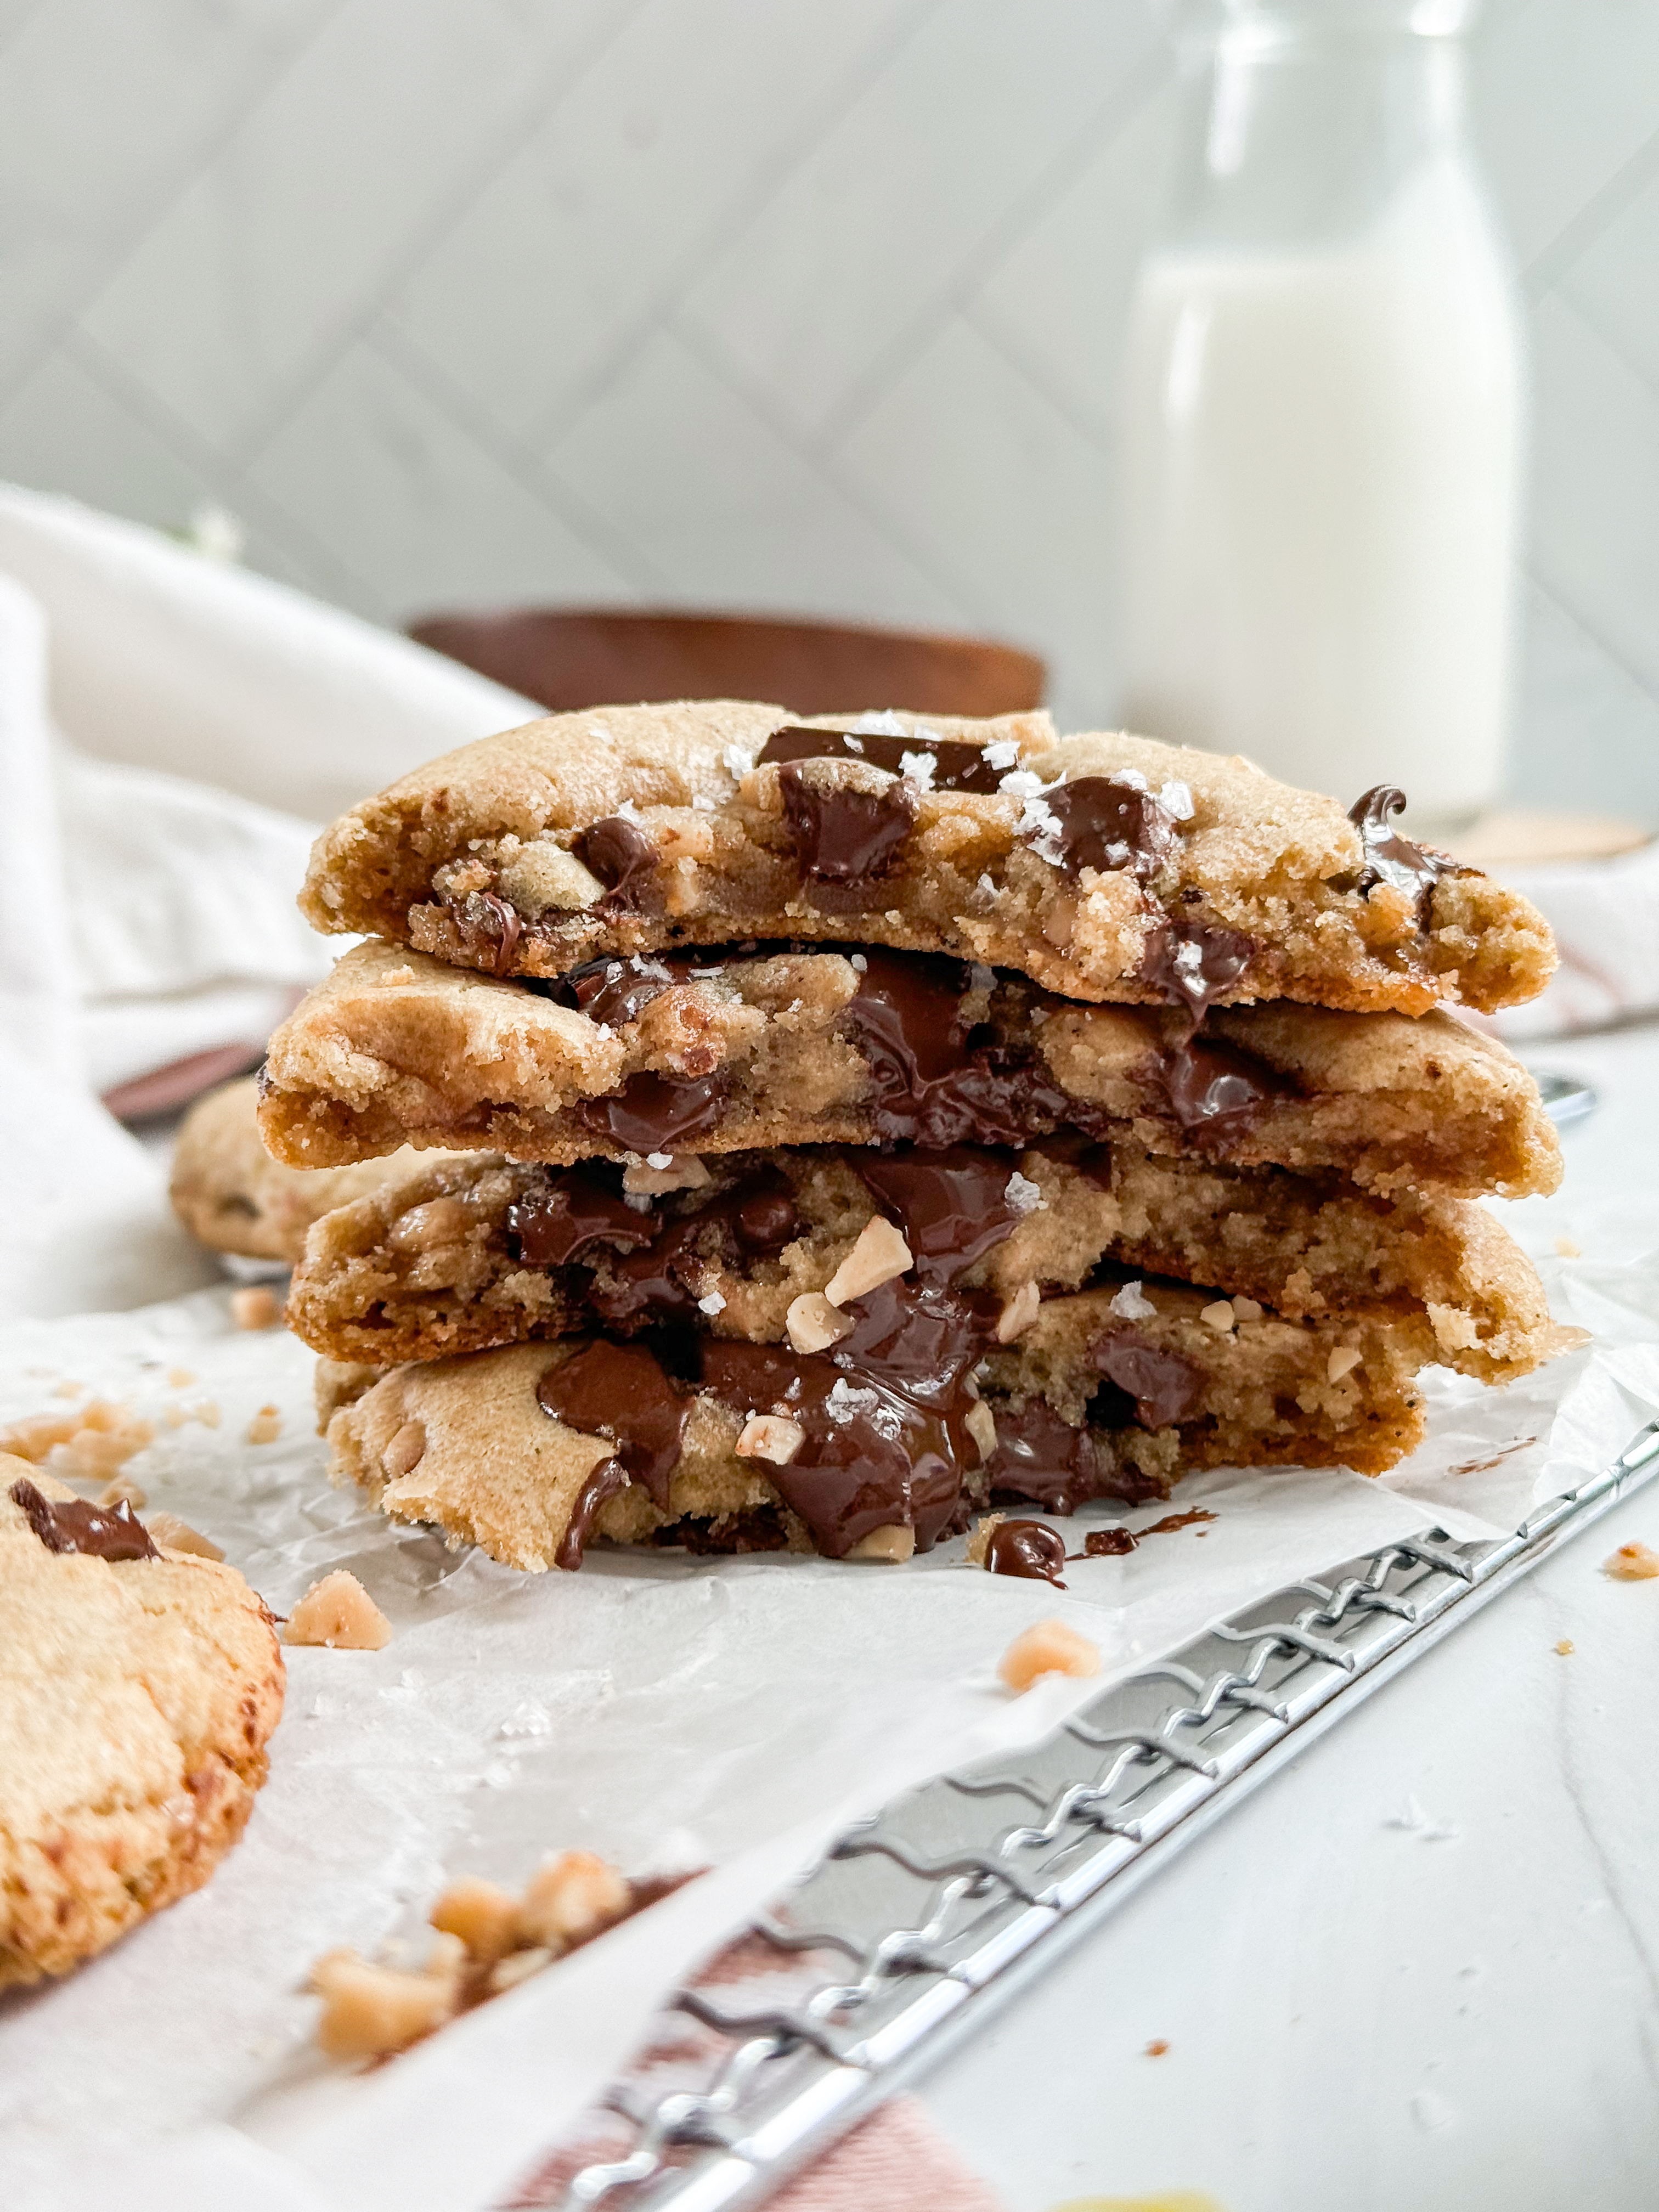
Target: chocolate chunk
point(765, 1221)
point(955, 767)
point(1031, 1549)
point(1164, 1385)
point(621, 1391)
point(952, 1205)
point(1098, 822)
point(73, 1525)
point(1107, 1543)
point(1192, 964)
point(657, 1113)
point(1392, 859)
point(625, 860)
point(508, 919)
point(1042, 1458)
point(844, 839)
point(929, 1082)
point(1217, 1093)
point(663, 1282)
point(760, 1529)
point(575, 1208)
point(615, 991)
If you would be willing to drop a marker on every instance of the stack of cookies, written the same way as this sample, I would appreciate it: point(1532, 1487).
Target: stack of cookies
point(825, 1130)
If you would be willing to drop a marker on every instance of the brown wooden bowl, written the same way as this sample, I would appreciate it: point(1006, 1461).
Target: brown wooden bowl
point(568, 659)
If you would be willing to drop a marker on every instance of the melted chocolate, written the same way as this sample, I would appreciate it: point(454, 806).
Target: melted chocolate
point(1042, 1458)
point(621, 1391)
point(1099, 822)
point(1164, 1385)
point(883, 1414)
point(955, 767)
point(615, 991)
point(1192, 965)
point(1107, 1544)
point(930, 1083)
point(73, 1525)
point(663, 1282)
point(578, 1207)
point(507, 917)
point(1171, 1522)
point(952, 1205)
point(759, 1528)
point(657, 1113)
point(1028, 1548)
point(625, 860)
point(1217, 1093)
point(1392, 859)
point(765, 1220)
point(606, 1481)
point(844, 839)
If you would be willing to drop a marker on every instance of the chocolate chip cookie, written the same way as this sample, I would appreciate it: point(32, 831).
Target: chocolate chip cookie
point(1107, 867)
point(138, 1689)
point(633, 1057)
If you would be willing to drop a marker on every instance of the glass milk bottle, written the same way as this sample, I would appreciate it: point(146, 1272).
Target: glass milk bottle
point(1323, 415)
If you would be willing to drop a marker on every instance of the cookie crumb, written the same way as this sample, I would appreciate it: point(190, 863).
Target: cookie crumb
point(482, 1913)
point(206, 1411)
point(369, 2012)
point(178, 1536)
point(1566, 1647)
point(1048, 1647)
point(569, 1899)
point(180, 1378)
point(91, 1444)
point(979, 1543)
point(266, 1426)
point(254, 1306)
point(1633, 1563)
point(1566, 1249)
point(338, 1612)
point(1157, 2047)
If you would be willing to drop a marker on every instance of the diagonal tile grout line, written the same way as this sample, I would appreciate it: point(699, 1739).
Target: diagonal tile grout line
point(533, 474)
point(1048, 388)
point(1580, 231)
point(239, 493)
point(372, 308)
point(1587, 629)
point(1567, 305)
point(1113, 116)
point(763, 181)
point(163, 200)
point(958, 590)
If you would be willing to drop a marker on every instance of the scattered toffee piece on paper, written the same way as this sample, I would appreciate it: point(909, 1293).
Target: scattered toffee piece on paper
point(957, 767)
point(1031, 1549)
point(844, 839)
point(952, 1205)
point(625, 860)
point(1164, 1384)
point(1098, 822)
point(73, 1525)
point(1192, 964)
point(576, 1207)
point(657, 1113)
point(1392, 859)
point(622, 1392)
point(1043, 1458)
point(1217, 1093)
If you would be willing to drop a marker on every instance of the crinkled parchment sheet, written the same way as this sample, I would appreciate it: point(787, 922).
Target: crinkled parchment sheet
point(660, 1710)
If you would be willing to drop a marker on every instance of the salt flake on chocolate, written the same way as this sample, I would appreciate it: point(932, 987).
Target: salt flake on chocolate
point(872, 724)
point(1024, 1195)
point(919, 769)
point(1002, 752)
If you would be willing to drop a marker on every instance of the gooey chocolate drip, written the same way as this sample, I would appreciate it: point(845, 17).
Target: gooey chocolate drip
point(655, 1113)
point(844, 840)
point(1392, 859)
point(955, 767)
point(1217, 1093)
point(615, 991)
point(952, 1205)
point(1100, 823)
point(1031, 1549)
point(554, 1221)
point(1192, 964)
point(1042, 1458)
point(74, 1525)
point(930, 1082)
point(883, 1412)
point(621, 1392)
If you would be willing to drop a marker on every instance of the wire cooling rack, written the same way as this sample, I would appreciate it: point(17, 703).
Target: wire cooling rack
point(919, 1920)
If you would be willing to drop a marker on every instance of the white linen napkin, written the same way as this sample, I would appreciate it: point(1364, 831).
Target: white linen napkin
point(172, 731)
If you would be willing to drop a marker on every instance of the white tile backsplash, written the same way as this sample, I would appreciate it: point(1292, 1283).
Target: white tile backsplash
point(758, 303)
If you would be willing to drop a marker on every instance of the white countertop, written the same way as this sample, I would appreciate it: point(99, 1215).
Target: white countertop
point(1367, 2014)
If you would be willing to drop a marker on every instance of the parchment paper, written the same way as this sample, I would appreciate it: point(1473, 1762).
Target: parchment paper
point(663, 1710)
